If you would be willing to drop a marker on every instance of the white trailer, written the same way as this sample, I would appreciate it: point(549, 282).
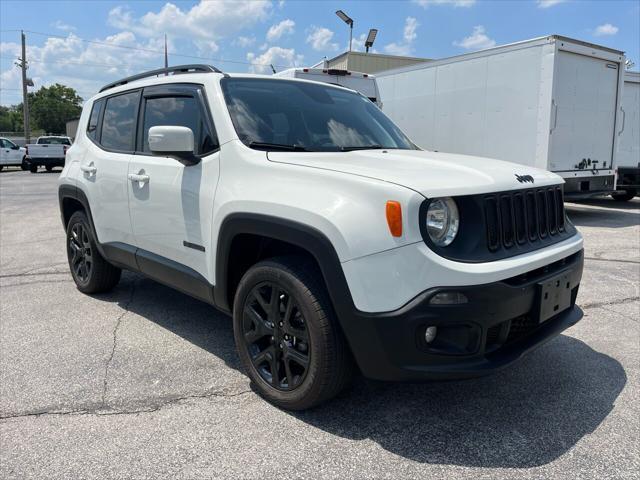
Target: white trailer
point(358, 81)
point(628, 157)
point(550, 102)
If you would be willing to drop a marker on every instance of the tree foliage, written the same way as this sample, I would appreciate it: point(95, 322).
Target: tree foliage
point(11, 118)
point(50, 109)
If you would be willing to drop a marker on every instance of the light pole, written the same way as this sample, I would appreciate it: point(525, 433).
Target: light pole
point(370, 39)
point(349, 21)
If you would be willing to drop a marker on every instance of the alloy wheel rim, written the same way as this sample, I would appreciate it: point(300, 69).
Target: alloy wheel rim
point(81, 253)
point(276, 335)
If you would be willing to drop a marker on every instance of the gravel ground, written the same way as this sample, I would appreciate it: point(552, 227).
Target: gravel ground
point(144, 382)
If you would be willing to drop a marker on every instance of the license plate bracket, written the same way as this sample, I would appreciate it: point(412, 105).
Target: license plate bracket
point(555, 296)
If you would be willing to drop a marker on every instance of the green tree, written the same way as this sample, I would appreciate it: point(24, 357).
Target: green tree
point(11, 118)
point(51, 107)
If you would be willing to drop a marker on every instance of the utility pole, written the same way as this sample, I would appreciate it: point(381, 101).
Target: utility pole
point(166, 55)
point(25, 99)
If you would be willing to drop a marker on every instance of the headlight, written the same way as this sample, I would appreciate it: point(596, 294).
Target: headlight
point(442, 221)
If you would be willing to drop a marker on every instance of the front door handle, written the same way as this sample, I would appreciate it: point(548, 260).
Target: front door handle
point(89, 169)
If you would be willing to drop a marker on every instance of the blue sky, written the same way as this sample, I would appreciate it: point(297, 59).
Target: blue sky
point(85, 44)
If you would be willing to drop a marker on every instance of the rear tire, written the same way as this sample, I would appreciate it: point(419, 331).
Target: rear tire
point(283, 322)
point(1, 167)
point(49, 168)
point(624, 196)
point(90, 271)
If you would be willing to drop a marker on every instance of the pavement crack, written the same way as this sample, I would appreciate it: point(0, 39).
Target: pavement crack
point(606, 303)
point(34, 272)
point(104, 410)
point(105, 381)
point(600, 259)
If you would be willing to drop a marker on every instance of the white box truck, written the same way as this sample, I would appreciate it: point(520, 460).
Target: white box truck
point(358, 81)
point(550, 102)
point(628, 157)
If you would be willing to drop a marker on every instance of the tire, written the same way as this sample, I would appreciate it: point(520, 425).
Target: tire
point(1, 167)
point(90, 271)
point(301, 330)
point(624, 195)
point(33, 168)
point(24, 165)
point(49, 168)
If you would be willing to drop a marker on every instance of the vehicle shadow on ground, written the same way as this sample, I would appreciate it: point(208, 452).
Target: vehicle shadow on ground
point(525, 416)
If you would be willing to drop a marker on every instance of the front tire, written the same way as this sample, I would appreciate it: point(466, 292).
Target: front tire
point(624, 196)
point(287, 336)
point(49, 168)
point(33, 168)
point(90, 271)
point(24, 165)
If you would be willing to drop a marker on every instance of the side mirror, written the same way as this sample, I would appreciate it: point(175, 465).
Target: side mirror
point(15, 147)
point(173, 141)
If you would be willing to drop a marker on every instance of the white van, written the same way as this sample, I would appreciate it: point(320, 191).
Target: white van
point(358, 81)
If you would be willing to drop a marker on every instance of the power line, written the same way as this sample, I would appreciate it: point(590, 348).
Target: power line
point(149, 50)
point(68, 62)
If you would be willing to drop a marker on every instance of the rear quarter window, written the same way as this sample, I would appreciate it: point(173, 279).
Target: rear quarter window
point(92, 126)
point(119, 122)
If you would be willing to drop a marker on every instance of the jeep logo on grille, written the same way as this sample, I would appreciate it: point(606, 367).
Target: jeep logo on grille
point(524, 178)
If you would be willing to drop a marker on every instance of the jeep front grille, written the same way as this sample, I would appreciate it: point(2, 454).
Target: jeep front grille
point(524, 216)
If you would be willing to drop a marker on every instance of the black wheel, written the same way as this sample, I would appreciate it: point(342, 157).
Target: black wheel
point(1, 167)
point(24, 165)
point(287, 336)
point(33, 168)
point(624, 195)
point(91, 272)
point(49, 168)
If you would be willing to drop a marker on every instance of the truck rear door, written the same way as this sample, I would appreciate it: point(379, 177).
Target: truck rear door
point(583, 114)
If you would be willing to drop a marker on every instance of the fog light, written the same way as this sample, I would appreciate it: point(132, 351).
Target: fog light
point(430, 334)
point(448, 298)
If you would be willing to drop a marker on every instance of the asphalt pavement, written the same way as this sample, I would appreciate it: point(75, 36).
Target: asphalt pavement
point(144, 382)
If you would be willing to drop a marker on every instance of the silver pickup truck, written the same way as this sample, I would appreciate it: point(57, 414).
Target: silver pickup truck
point(49, 152)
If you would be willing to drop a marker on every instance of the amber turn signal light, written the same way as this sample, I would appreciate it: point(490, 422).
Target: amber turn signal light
point(394, 218)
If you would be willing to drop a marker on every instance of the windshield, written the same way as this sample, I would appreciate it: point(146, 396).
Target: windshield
point(54, 141)
point(289, 115)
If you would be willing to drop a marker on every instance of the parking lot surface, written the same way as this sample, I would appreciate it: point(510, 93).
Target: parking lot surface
point(144, 382)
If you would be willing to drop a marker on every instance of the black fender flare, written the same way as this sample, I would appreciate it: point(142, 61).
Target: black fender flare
point(366, 345)
point(307, 238)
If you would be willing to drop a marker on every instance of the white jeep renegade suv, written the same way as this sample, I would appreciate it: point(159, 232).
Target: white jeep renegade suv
point(335, 243)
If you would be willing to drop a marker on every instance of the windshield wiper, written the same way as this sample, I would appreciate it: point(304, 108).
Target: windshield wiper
point(277, 146)
point(361, 147)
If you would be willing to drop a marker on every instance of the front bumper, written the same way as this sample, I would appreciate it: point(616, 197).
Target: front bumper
point(495, 328)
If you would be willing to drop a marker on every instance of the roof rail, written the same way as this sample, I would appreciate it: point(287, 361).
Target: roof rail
point(196, 68)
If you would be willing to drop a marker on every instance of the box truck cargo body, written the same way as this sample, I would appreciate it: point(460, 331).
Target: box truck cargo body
point(551, 102)
point(358, 81)
point(628, 157)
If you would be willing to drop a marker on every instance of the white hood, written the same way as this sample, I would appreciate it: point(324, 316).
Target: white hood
point(433, 174)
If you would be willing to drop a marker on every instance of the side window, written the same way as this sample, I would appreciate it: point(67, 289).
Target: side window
point(3, 143)
point(119, 122)
point(179, 111)
point(92, 126)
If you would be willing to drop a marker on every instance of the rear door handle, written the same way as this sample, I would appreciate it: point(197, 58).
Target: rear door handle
point(141, 178)
point(89, 169)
